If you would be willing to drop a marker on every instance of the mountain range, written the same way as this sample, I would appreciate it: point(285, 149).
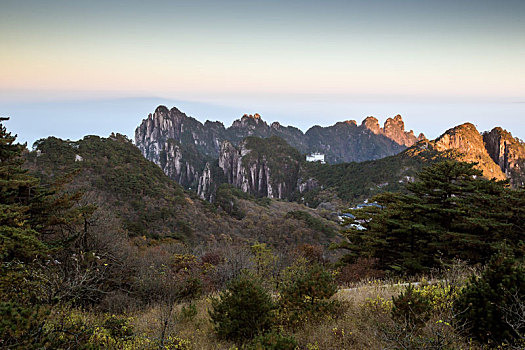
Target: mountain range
point(268, 160)
point(182, 146)
point(342, 142)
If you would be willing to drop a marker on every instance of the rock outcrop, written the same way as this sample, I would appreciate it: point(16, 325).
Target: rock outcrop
point(180, 145)
point(394, 129)
point(348, 142)
point(263, 167)
point(206, 185)
point(468, 145)
point(508, 152)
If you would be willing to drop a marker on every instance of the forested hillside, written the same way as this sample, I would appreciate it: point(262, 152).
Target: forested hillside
point(113, 175)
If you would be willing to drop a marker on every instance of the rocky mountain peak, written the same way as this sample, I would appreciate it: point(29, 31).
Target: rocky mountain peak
point(249, 120)
point(506, 151)
point(213, 124)
point(372, 124)
point(464, 138)
point(468, 143)
point(161, 110)
point(396, 122)
point(498, 154)
point(393, 128)
point(256, 117)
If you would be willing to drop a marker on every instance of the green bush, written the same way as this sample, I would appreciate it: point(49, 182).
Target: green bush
point(21, 326)
point(190, 289)
point(411, 308)
point(312, 222)
point(490, 303)
point(188, 313)
point(241, 312)
point(305, 293)
point(119, 327)
point(273, 341)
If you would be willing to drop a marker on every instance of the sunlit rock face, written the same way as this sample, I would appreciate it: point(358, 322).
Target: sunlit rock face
point(468, 145)
point(508, 153)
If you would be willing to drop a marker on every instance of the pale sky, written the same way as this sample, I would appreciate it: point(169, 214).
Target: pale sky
point(300, 62)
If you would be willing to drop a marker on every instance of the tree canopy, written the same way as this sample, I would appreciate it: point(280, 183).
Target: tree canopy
point(451, 211)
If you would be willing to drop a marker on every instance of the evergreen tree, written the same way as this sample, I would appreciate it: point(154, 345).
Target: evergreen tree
point(450, 212)
point(19, 248)
point(36, 222)
point(18, 241)
point(243, 311)
point(492, 304)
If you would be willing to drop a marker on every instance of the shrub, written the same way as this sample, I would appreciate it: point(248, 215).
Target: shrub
point(228, 202)
point(274, 341)
point(305, 293)
point(188, 313)
point(241, 312)
point(312, 253)
point(312, 222)
point(118, 327)
point(487, 301)
point(176, 343)
point(411, 308)
point(21, 326)
point(362, 269)
point(191, 289)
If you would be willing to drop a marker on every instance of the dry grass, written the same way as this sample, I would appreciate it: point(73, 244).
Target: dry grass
point(197, 329)
point(362, 321)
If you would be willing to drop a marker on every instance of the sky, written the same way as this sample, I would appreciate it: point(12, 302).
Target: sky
point(70, 68)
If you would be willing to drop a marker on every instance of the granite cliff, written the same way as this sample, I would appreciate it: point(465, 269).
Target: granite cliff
point(262, 167)
point(466, 143)
point(182, 146)
point(498, 154)
point(508, 153)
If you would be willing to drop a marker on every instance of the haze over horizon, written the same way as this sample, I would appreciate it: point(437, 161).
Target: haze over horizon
point(74, 68)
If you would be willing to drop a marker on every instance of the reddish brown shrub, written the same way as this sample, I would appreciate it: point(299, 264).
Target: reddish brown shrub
point(362, 269)
point(312, 253)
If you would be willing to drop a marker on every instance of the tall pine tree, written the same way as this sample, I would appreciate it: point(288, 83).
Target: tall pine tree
point(18, 241)
point(450, 212)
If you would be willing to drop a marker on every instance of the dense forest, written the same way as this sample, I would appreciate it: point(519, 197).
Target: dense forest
point(100, 250)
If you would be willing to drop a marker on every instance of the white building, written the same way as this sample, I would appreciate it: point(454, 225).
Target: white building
point(315, 157)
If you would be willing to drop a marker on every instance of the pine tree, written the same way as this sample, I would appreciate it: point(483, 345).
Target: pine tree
point(243, 311)
point(18, 241)
point(19, 248)
point(492, 303)
point(450, 212)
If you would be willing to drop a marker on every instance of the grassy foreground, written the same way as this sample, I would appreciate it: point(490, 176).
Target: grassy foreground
point(365, 318)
